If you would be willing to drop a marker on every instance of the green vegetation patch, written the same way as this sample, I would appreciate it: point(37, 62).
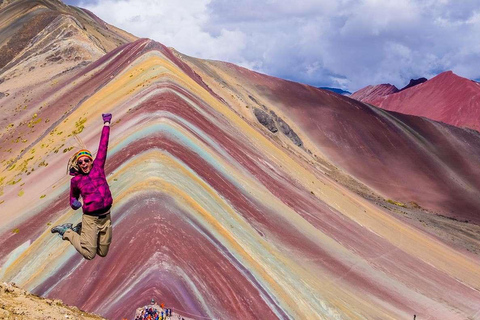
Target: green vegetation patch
point(415, 205)
point(23, 166)
point(58, 149)
point(79, 125)
point(399, 204)
point(43, 164)
point(13, 182)
point(35, 120)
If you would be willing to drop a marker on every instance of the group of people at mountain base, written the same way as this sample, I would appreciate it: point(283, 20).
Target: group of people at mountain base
point(153, 313)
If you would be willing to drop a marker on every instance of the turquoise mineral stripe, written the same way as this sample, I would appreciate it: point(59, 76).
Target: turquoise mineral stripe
point(167, 128)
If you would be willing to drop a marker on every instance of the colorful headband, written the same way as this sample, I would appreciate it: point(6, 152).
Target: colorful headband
point(83, 153)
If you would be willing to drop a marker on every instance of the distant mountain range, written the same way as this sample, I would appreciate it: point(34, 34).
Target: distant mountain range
point(337, 90)
point(446, 97)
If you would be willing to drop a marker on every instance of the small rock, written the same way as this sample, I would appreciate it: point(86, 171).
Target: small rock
point(265, 119)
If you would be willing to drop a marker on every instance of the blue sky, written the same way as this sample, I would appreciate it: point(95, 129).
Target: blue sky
point(346, 44)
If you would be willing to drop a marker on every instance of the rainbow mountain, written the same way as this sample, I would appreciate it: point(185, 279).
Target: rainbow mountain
point(236, 195)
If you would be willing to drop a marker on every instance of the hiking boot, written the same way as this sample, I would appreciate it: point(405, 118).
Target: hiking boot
point(78, 228)
point(61, 228)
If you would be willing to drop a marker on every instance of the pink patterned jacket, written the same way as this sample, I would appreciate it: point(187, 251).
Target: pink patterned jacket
point(93, 187)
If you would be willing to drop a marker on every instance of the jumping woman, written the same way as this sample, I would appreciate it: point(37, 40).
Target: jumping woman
point(94, 234)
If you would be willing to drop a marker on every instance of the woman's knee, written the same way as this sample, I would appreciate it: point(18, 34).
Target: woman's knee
point(102, 252)
point(89, 255)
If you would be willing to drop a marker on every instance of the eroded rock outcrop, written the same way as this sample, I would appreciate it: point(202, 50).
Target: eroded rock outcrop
point(267, 120)
point(270, 120)
point(413, 83)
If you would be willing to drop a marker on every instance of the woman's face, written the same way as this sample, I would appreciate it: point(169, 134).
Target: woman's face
point(85, 164)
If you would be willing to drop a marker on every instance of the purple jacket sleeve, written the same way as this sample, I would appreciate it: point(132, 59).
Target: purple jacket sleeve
point(74, 193)
point(102, 148)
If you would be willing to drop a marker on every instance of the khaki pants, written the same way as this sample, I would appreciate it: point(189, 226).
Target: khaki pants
point(95, 237)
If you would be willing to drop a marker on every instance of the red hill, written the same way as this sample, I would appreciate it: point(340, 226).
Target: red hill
point(370, 94)
point(446, 97)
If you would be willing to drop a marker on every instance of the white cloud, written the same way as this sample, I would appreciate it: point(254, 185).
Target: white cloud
point(346, 43)
point(180, 25)
point(374, 17)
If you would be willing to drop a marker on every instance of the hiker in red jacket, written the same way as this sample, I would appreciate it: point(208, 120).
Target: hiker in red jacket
point(94, 234)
